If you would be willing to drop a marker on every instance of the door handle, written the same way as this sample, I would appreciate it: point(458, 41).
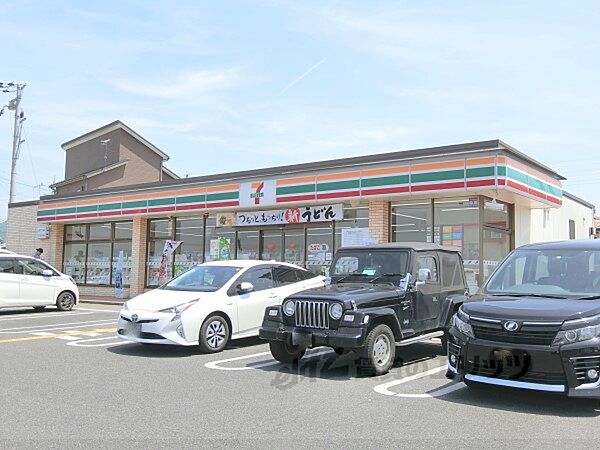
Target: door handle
point(405, 305)
point(435, 299)
point(273, 295)
point(24, 279)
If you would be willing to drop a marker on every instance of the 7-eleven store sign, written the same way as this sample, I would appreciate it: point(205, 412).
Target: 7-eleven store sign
point(257, 193)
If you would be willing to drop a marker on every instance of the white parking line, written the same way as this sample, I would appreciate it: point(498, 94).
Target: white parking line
point(216, 364)
point(55, 326)
point(92, 342)
point(384, 388)
point(98, 310)
point(43, 315)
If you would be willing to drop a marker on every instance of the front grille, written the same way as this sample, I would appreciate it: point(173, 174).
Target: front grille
point(127, 319)
point(582, 364)
point(532, 334)
point(528, 377)
point(312, 314)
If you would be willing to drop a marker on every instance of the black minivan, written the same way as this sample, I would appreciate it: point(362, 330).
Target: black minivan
point(535, 324)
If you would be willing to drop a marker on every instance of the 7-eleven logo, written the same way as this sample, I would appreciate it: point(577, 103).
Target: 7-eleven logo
point(257, 193)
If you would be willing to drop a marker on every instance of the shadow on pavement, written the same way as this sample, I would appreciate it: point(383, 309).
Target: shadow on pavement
point(28, 311)
point(524, 401)
point(176, 351)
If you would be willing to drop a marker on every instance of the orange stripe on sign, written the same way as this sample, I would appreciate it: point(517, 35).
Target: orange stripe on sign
point(481, 161)
point(386, 171)
point(439, 165)
point(299, 180)
point(338, 176)
point(536, 173)
point(228, 187)
point(191, 191)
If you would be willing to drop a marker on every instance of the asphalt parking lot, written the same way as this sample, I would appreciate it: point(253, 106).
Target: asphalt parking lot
point(68, 382)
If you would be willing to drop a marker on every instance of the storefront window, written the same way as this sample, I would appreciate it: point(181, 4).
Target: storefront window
point(220, 241)
point(272, 243)
point(155, 250)
point(495, 214)
point(92, 250)
point(354, 229)
point(247, 244)
point(457, 226)
point(319, 245)
point(74, 262)
point(190, 231)
point(412, 222)
point(496, 245)
point(161, 229)
point(294, 246)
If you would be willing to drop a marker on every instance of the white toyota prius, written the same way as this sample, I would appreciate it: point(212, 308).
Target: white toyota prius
point(212, 303)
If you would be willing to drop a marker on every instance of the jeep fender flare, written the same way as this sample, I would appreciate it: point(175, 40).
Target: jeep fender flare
point(387, 316)
point(449, 307)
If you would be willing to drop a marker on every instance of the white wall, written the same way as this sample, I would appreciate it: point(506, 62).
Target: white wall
point(21, 232)
point(552, 224)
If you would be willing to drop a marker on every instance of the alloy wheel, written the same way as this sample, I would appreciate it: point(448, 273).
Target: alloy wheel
point(215, 333)
point(381, 350)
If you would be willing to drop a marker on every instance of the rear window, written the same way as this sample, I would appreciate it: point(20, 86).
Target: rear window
point(7, 265)
point(451, 270)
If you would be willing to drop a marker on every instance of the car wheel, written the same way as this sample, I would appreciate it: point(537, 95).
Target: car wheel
point(214, 334)
point(285, 353)
point(39, 308)
point(65, 301)
point(380, 347)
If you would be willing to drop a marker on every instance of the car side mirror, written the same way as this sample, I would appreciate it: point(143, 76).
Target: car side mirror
point(244, 288)
point(47, 273)
point(423, 276)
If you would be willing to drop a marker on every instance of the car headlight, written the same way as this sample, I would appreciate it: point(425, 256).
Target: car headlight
point(179, 309)
point(289, 308)
point(335, 311)
point(583, 333)
point(463, 326)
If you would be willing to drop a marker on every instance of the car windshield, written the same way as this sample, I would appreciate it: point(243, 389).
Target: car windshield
point(385, 266)
point(204, 278)
point(556, 273)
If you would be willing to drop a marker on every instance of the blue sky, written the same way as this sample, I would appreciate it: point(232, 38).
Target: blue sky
point(235, 85)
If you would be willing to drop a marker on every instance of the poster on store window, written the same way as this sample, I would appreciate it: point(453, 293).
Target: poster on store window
point(168, 250)
point(220, 249)
point(358, 237)
point(119, 276)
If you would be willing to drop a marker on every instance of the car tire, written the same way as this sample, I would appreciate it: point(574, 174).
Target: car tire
point(285, 353)
point(65, 301)
point(214, 334)
point(380, 347)
point(39, 308)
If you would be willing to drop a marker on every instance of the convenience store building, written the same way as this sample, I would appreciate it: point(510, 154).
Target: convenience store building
point(483, 198)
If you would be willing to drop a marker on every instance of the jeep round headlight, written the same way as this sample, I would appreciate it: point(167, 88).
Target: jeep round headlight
point(288, 308)
point(335, 311)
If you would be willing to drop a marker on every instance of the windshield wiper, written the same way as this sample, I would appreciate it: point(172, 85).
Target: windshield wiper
point(513, 294)
point(591, 297)
point(352, 275)
point(385, 275)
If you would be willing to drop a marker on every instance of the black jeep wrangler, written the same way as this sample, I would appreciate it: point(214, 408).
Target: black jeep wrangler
point(372, 304)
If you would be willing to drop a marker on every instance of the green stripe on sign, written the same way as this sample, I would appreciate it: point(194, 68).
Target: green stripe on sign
point(109, 206)
point(385, 181)
point(161, 201)
point(534, 183)
point(480, 172)
point(191, 199)
point(300, 189)
point(501, 171)
point(82, 209)
point(336, 185)
point(222, 196)
point(66, 211)
point(437, 176)
point(46, 212)
point(135, 204)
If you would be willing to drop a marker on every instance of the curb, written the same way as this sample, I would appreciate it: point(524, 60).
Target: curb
point(101, 302)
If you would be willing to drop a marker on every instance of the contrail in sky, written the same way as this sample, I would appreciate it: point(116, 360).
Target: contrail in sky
point(304, 75)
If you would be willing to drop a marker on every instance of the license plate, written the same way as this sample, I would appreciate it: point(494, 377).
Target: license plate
point(134, 329)
point(511, 363)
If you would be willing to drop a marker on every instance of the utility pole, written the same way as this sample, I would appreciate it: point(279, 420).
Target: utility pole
point(14, 105)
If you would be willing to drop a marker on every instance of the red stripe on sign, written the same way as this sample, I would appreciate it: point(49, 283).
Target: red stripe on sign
point(380, 191)
point(161, 209)
point(557, 201)
point(295, 198)
point(133, 211)
point(441, 186)
point(109, 213)
point(67, 217)
point(222, 204)
point(479, 183)
point(46, 219)
point(86, 215)
point(538, 194)
point(194, 206)
point(338, 195)
point(516, 186)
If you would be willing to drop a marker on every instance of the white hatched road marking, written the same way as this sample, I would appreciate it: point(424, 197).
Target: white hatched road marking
point(216, 364)
point(384, 388)
point(55, 327)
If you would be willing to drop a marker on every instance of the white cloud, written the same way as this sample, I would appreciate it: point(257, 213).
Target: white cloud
point(183, 84)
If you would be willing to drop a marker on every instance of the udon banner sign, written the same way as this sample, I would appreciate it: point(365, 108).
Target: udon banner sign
point(286, 216)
